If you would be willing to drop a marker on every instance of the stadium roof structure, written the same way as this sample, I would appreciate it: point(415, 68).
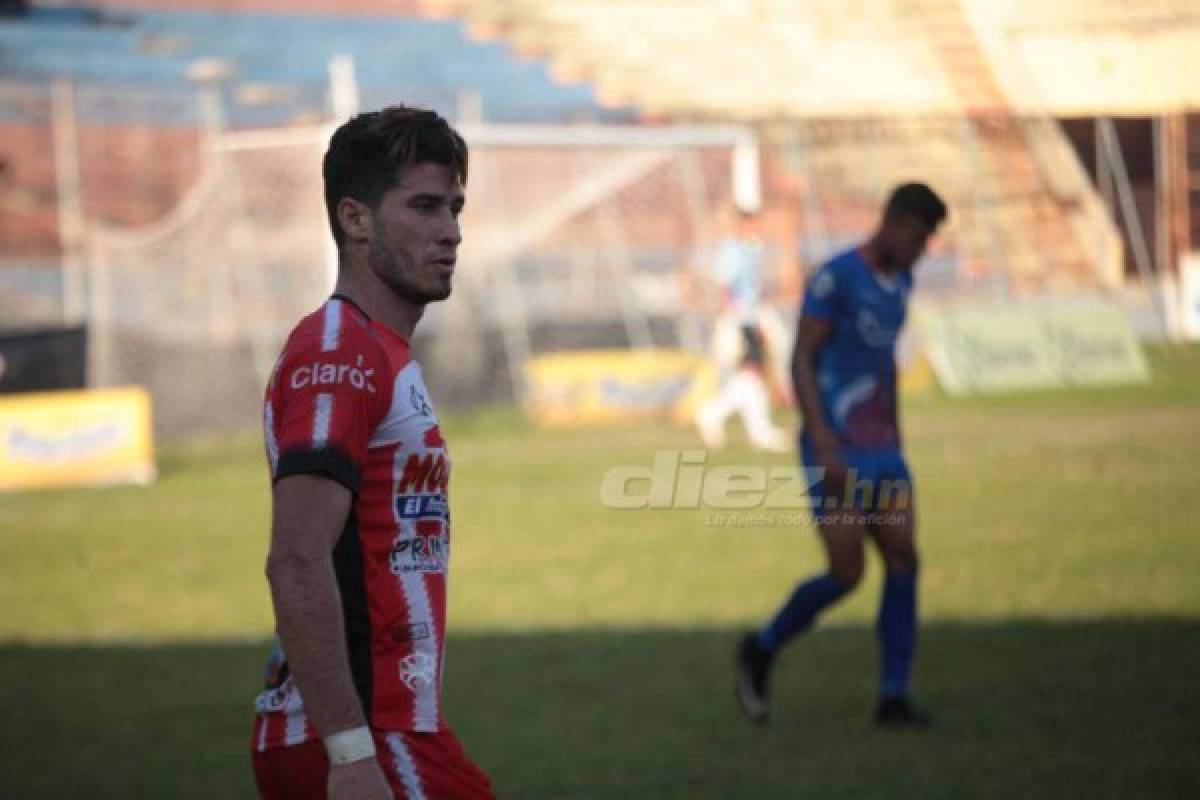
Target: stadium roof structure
point(853, 58)
point(1093, 57)
point(756, 59)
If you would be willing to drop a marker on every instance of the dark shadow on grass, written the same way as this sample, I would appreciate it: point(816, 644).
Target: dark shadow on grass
point(1025, 709)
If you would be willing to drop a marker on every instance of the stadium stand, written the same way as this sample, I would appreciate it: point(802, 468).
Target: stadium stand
point(847, 96)
point(856, 60)
point(137, 107)
point(279, 59)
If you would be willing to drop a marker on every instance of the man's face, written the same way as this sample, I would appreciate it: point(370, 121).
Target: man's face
point(415, 233)
point(905, 237)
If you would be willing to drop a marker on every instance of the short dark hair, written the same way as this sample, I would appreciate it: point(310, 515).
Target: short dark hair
point(368, 152)
point(915, 200)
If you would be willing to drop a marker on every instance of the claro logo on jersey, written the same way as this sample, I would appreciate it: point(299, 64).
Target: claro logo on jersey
point(317, 374)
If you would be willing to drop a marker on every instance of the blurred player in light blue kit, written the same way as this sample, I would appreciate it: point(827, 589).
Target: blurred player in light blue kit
point(844, 376)
point(746, 334)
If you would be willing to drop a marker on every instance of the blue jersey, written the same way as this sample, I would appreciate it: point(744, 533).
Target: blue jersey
point(856, 370)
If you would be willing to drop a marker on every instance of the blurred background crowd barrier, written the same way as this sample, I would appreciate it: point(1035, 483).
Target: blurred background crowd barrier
point(161, 190)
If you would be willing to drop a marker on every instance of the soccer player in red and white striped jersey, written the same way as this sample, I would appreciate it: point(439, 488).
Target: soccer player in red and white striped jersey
point(360, 535)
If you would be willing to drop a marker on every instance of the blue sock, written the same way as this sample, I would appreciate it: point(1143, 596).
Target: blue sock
point(798, 613)
point(897, 631)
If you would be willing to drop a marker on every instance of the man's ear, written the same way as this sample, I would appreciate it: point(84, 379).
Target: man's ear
point(355, 218)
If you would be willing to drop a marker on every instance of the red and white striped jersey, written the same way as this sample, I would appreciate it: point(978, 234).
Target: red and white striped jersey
point(347, 401)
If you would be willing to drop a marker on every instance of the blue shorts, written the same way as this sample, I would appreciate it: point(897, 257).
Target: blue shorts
point(877, 480)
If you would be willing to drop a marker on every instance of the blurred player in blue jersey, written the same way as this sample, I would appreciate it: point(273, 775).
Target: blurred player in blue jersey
point(844, 375)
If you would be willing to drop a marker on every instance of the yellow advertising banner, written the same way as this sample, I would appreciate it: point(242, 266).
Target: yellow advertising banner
point(76, 438)
point(603, 387)
point(592, 387)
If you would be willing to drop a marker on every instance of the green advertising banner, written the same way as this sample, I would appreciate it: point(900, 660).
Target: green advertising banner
point(982, 349)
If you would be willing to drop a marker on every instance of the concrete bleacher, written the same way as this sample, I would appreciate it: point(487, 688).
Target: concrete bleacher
point(139, 114)
point(282, 59)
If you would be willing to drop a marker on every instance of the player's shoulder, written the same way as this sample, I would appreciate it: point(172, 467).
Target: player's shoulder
point(830, 277)
point(843, 264)
point(338, 326)
point(845, 270)
point(335, 348)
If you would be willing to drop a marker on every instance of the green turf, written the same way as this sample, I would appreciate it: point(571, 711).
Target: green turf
point(590, 647)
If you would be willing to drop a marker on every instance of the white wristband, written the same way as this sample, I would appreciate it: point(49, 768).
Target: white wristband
point(346, 747)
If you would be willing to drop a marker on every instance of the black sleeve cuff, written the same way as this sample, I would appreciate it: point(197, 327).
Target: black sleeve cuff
point(330, 462)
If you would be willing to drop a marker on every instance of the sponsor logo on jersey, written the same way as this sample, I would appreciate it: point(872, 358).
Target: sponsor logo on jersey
point(873, 332)
point(284, 698)
point(417, 670)
point(410, 633)
point(422, 506)
point(419, 403)
point(424, 473)
point(318, 374)
point(419, 548)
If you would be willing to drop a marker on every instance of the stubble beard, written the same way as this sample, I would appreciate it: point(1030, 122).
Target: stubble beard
point(396, 273)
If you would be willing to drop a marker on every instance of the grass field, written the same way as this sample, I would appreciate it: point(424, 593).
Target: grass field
point(591, 648)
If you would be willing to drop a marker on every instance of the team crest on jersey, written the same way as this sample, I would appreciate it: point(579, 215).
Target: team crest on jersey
point(822, 285)
point(417, 670)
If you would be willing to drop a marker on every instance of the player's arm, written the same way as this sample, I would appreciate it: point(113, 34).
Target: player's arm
point(821, 304)
point(811, 337)
point(308, 515)
point(321, 431)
